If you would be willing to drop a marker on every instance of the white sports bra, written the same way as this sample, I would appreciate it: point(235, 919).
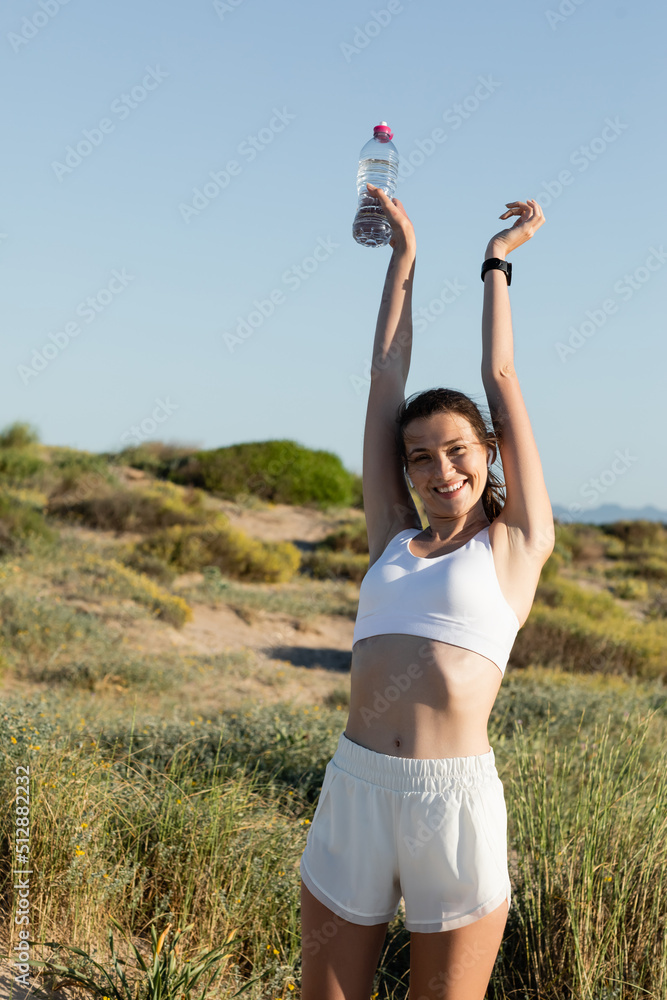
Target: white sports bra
point(453, 598)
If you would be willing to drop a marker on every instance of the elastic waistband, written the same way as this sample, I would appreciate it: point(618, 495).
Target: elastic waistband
point(404, 774)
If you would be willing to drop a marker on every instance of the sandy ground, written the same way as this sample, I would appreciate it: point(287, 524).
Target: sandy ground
point(304, 662)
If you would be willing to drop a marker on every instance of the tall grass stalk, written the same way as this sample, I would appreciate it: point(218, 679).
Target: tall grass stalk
point(588, 821)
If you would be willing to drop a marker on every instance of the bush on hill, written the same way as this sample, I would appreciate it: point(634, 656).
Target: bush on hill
point(18, 466)
point(155, 457)
point(19, 459)
point(275, 471)
point(18, 435)
point(351, 537)
point(638, 534)
point(323, 564)
point(191, 548)
point(158, 506)
point(20, 522)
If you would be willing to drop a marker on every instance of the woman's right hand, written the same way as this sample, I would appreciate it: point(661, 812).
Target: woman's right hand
point(404, 239)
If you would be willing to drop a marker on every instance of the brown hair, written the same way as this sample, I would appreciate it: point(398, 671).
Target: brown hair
point(424, 404)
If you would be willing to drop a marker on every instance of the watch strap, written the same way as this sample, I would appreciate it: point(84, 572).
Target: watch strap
point(496, 263)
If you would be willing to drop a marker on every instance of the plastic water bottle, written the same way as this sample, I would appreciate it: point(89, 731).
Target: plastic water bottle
point(378, 165)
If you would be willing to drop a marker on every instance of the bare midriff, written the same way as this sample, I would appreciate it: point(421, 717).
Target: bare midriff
point(417, 697)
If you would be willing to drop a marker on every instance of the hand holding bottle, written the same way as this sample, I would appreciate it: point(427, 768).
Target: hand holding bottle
point(403, 239)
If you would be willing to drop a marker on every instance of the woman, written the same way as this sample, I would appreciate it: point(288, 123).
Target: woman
point(411, 804)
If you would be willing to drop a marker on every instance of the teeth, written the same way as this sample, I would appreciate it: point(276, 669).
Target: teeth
point(450, 489)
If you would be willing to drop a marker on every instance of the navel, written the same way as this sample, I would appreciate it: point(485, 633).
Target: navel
point(397, 742)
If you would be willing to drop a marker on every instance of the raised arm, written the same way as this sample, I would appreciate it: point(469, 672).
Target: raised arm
point(527, 511)
point(392, 345)
point(388, 504)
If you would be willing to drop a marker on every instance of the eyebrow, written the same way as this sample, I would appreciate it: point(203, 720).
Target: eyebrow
point(413, 451)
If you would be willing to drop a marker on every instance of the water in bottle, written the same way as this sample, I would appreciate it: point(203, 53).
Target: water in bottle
point(378, 165)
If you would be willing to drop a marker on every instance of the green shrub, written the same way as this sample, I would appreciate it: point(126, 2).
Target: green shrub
point(159, 506)
point(155, 457)
point(630, 590)
point(639, 534)
point(352, 537)
point(596, 604)
point(554, 564)
point(70, 461)
point(18, 466)
point(342, 554)
point(579, 543)
point(587, 630)
point(21, 523)
point(44, 639)
point(575, 640)
point(327, 565)
point(18, 435)
point(277, 471)
point(191, 548)
point(620, 570)
point(613, 547)
point(112, 577)
point(78, 471)
point(149, 565)
point(652, 569)
point(649, 568)
point(657, 605)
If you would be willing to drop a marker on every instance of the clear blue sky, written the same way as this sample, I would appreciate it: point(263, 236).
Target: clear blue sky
point(170, 93)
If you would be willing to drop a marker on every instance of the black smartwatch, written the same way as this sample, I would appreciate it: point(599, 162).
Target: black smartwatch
point(495, 263)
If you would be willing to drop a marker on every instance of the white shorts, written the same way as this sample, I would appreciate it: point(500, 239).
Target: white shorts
point(432, 831)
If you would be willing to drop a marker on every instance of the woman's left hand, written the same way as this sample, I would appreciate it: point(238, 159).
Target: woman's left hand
point(530, 219)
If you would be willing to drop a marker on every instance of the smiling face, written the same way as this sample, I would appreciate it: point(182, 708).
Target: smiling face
point(444, 452)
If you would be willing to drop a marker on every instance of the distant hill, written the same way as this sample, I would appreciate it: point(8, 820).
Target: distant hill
point(608, 513)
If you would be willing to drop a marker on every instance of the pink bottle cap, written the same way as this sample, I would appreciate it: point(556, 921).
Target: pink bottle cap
point(384, 128)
